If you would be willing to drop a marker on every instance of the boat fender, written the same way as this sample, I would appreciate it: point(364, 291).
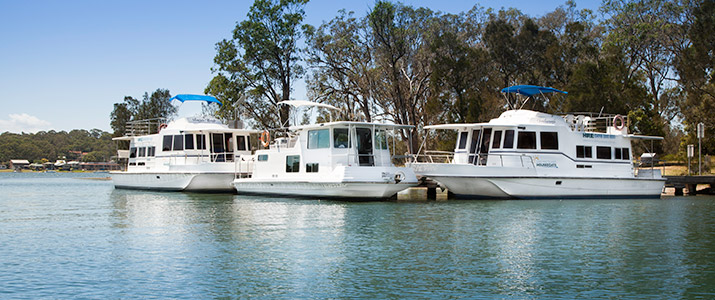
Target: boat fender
point(265, 138)
point(399, 176)
point(162, 126)
point(618, 122)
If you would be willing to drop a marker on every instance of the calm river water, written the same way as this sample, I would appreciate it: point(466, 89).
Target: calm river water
point(64, 237)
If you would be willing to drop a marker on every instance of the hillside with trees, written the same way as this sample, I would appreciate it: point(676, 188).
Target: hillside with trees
point(53, 145)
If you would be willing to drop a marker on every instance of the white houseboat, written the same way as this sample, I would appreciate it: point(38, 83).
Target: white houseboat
point(335, 159)
point(188, 154)
point(526, 154)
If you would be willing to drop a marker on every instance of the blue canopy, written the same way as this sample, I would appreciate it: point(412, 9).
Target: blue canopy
point(190, 97)
point(530, 90)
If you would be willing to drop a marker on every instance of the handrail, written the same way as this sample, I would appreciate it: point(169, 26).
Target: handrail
point(448, 157)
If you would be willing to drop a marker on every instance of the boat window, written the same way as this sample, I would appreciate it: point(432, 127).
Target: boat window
point(549, 140)
point(200, 142)
point(248, 142)
point(189, 141)
point(263, 157)
point(463, 139)
point(626, 154)
point(132, 152)
point(151, 151)
point(526, 140)
point(603, 152)
point(584, 152)
point(142, 152)
point(178, 142)
point(292, 163)
point(241, 142)
point(617, 153)
point(318, 139)
point(228, 139)
point(167, 143)
point(380, 139)
point(497, 139)
point(508, 139)
point(340, 138)
point(311, 168)
point(485, 140)
point(217, 143)
point(473, 144)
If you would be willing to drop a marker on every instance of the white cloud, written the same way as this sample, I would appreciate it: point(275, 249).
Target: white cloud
point(23, 123)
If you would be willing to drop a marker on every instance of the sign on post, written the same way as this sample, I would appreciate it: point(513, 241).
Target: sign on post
point(701, 135)
point(691, 153)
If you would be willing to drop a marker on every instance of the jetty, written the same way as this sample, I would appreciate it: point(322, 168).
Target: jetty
point(679, 183)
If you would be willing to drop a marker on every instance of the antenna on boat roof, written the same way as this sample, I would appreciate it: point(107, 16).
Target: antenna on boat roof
point(600, 112)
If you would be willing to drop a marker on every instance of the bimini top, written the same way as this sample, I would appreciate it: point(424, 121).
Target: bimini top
point(530, 90)
point(191, 97)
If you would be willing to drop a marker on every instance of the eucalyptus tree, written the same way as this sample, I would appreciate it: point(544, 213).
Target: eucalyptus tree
point(461, 68)
point(650, 33)
point(344, 75)
point(403, 63)
point(256, 68)
point(696, 69)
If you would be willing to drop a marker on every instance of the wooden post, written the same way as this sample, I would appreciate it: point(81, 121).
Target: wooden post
point(692, 188)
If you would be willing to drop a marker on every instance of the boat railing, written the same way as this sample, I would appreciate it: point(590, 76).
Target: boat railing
point(512, 160)
point(434, 156)
point(222, 157)
point(243, 166)
point(592, 122)
point(143, 127)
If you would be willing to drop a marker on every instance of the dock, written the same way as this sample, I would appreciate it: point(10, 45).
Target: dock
point(679, 183)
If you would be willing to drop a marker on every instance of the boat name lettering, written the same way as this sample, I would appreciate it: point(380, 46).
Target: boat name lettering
point(590, 135)
point(546, 120)
point(547, 164)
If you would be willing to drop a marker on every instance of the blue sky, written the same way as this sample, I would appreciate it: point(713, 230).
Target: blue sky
point(63, 64)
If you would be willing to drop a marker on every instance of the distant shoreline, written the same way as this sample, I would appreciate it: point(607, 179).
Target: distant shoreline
point(56, 171)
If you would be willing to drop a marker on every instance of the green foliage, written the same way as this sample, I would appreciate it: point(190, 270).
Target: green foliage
point(255, 69)
point(696, 67)
point(52, 145)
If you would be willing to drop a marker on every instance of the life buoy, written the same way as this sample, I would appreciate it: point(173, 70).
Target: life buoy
point(619, 119)
point(162, 126)
point(399, 176)
point(265, 138)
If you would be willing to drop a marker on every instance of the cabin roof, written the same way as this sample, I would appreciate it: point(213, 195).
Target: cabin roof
point(348, 123)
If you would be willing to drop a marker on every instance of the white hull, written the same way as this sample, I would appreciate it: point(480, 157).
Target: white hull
point(356, 190)
point(196, 182)
point(551, 187)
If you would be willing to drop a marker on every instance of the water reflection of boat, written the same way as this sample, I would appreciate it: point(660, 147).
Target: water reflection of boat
point(528, 154)
point(188, 154)
point(335, 159)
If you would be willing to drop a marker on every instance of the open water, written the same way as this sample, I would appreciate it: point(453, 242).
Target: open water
point(65, 237)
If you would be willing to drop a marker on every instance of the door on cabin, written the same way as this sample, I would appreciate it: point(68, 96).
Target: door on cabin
point(364, 146)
